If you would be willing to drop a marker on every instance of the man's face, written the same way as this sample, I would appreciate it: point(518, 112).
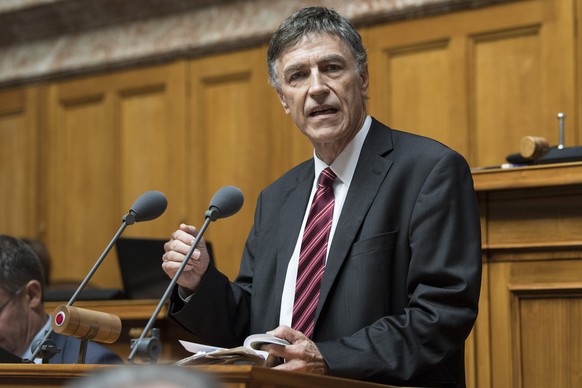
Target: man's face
point(13, 323)
point(320, 89)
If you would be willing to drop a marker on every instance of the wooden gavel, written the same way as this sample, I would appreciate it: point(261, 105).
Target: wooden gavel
point(86, 324)
point(533, 147)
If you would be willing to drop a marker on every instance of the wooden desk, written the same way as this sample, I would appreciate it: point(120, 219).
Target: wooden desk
point(528, 332)
point(531, 212)
point(241, 376)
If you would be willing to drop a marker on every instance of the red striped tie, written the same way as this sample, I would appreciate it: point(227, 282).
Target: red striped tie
point(312, 256)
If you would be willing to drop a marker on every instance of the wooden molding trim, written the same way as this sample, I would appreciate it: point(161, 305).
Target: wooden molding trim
point(42, 40)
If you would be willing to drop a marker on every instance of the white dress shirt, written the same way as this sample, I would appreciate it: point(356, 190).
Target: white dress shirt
point(344, 167)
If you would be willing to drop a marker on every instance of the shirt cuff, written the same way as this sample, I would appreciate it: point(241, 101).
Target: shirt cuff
point(185, 294)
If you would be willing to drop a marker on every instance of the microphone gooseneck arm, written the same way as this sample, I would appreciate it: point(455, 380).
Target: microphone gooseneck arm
point(86, 280)
point(148, 206)
point(136, 343)
point(98, 262)
point(225, 202)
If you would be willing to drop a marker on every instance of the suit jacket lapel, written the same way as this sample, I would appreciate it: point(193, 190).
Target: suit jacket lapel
point(371, 171)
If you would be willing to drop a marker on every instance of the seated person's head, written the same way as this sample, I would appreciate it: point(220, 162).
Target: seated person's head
point(146, 376)
point(21, 294)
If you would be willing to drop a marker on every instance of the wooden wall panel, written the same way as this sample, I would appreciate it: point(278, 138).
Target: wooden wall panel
point(230, 144)
point(506, 68)
point(478, 81)
point(112, 137)
point(415, 83)
point(548, 327)
point(535, 315)
point(560, 55)
point(477, 345)
point(81, 186)
point(152, 127)
point(416, 78)
point(19, 156)
point(576, 122)
point(420, 92)
point(538, 219)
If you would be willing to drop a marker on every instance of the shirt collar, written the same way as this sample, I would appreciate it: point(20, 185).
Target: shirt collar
point(39, 336)
point(344, 165)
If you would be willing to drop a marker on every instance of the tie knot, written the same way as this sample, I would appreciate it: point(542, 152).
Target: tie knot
point(326, 178)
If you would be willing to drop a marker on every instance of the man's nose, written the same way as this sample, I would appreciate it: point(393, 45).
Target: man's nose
point(318, 84)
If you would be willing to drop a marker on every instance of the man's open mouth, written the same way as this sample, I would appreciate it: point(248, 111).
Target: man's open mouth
point(325, 111)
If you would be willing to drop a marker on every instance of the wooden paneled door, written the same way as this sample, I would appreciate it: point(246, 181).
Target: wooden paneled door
point(111, 138)
point(479, 80)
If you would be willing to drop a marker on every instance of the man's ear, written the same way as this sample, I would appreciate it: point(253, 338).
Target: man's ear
point(283, 102)
point(365, 81)
point(33, 291)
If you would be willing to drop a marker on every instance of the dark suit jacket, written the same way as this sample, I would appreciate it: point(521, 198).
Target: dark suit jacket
point(401, 285)
point(96, 353)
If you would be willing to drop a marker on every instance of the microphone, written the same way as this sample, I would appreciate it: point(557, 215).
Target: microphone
point(148, 206)
point(226, 202)
point(86, 324)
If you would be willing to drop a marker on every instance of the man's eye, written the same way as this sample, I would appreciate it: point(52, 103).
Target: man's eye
point(333, 67)
point(296, 76)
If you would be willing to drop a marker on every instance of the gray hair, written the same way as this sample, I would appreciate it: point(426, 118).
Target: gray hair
point(313, 20)
point(18, 264)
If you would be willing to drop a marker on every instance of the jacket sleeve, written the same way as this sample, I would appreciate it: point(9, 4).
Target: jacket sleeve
point(218, 313)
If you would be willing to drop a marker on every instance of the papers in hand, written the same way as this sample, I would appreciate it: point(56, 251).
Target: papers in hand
point(249, 353)
point(255, 341)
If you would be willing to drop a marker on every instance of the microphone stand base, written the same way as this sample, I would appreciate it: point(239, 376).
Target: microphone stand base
point(149, 348)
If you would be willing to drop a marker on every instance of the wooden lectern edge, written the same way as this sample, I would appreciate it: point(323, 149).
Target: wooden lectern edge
point(543, 175)
point(44, 371)
point(41, 375)
point(273, 377)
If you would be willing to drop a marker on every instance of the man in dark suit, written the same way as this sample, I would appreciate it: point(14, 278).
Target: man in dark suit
point(402, 270)
point(22, 315)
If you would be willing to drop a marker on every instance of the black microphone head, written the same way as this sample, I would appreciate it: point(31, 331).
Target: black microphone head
point(149, 206)
point(226, 202)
